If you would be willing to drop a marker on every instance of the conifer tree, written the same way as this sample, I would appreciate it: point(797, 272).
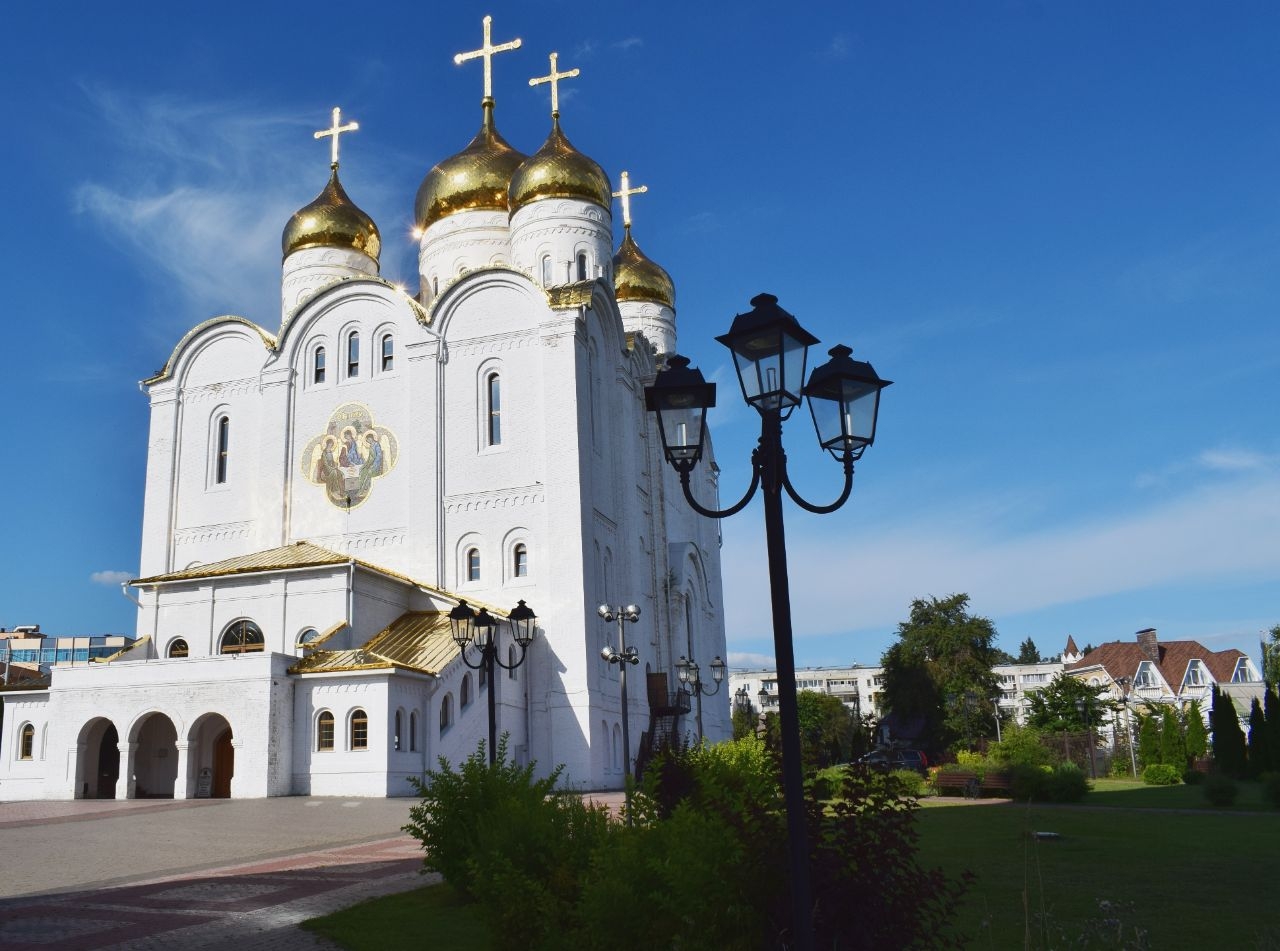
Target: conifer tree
point(1197, 738)
point(1271, 714)
point(1259, 749)
point(1173, 751)
point(1228, 739)
point(1149, 740)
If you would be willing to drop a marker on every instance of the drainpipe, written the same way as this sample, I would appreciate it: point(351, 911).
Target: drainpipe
point(351, 596)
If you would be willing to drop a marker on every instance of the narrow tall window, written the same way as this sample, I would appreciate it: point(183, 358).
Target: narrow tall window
point(493, 408)
point(27, 742)
point(317, 370)
point(546, 270)
point(473, 564)
point(464, 692)
point(178, 648)
point(396, 741)
point(446, 712)
point(582, 265)
point(511, 662)
point(224, 446)
point(520, 561)
point(324, 731)
point(413, 732)
point(353, 354)
point(388, 352)
point(359, 730)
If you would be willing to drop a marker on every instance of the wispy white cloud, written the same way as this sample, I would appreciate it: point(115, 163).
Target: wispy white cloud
point(839, 46)
point(110, 578)
point(749, 661)
point(586, 49)
point(627, 43)
point(1226, 460)
point(1221, 532)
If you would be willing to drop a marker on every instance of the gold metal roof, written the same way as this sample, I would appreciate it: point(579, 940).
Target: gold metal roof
point(298, 555)
point(477, 177)
point(419, 641)
point(637, 278)
point(564, 296)
point(331, 221)
point(124, 650)
point(558, 170)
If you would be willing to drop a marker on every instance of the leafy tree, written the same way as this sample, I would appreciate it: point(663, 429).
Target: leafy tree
point(942, 651)
point(1173, 750)
point(826, 729)
point(745, 721)
point(1028, 653)
point(1271, 714)
point(1259, 749)
point(1149, 740)
point(1197, 738)
point(1055, 707)
point(1271, 657)
point(1002, 656)
point(1228, 739)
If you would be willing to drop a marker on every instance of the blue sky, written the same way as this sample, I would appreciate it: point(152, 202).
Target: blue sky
point(1055, 226)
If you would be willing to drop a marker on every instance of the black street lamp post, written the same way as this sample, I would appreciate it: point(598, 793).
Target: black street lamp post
point(623, 656)
point(1082, 707)
point(480, 630)
point(770, 350)
point(690, 675)
point(995, 706)
point(1124, 683)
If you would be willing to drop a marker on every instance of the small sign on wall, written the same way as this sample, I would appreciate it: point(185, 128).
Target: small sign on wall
point(204, 783)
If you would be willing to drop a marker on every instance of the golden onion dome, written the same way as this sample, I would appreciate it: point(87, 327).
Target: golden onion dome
point(637, 278)
point(475, 178)
point(331, 221)
point(558, 170)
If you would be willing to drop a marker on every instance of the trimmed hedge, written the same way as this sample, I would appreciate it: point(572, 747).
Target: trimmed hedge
point(1161, 774)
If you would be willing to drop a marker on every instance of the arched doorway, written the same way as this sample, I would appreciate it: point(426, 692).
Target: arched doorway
point(211, 763)
point(97, 760)
point(155, 760)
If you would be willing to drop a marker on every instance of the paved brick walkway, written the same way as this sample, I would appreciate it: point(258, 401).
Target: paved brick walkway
point(104, 875)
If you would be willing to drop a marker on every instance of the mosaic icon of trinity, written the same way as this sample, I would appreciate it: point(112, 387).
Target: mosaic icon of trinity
point(349, 455)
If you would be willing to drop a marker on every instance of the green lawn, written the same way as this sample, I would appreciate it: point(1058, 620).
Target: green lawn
point(1130, 794)
point(430, 917)
point(1194, 881)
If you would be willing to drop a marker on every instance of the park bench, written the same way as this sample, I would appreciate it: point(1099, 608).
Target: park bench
point(970, 784)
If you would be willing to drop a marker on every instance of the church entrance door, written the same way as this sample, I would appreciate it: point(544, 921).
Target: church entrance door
point(108, 764)
point(224, 762)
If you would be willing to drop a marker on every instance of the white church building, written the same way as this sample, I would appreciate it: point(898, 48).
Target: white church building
point(322, 493)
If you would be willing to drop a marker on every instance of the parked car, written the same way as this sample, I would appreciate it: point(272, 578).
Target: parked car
point(887, 760)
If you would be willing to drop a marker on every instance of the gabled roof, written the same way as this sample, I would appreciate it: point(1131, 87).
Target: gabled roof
point(420, 641)
point(298, 555)
point(1071, 646)
point(1121, 659)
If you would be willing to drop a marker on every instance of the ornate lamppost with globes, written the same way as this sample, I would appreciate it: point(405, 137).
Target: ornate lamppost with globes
point(770, 351)
point(623, 657)
point(480, 631)
point(1124, 683)
point(690, 675)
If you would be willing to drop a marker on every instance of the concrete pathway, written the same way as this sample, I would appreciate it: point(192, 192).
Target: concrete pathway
point(198, 874)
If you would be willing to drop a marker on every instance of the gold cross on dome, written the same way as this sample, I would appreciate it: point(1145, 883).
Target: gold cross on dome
point(336, 130)
point(554, 79)
point(487, 51)
point(625, 195)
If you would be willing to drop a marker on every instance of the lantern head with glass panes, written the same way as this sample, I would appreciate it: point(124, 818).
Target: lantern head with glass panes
point(769, 350)
point(844, 398)
point(681, 396)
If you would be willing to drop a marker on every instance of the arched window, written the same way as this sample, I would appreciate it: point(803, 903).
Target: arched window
point(493, 409)
point(473, 564)
point(582, 265)
point(435, 286)
point(307, 636)
point(446, 713)
point(359, 733)
point(242, 637)
point(413, 732)
point(396, 742)
point(221, 450)
point(617, 748)
point(324, 731)
point(464, 693)
point(26, 741)
point(177, 648)
point(520, 561)
point(353, 354)
point(388, 352)
point(483, 674)
point(546, 270)
point(511, 662)
point(317, 367)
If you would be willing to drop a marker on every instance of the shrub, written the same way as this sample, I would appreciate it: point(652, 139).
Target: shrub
point(1021, 745)
point(1120, 768)
point(1029, 783)
point(1193, 777)
point(1271, 788)
point(1160, 774)
point(1221, 790)
point(1066, 783)
point(906, 782)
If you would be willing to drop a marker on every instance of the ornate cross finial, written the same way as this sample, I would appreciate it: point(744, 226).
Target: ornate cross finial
point(336, 130)
point(625, 195)
point(554, 79)
point(487, 51)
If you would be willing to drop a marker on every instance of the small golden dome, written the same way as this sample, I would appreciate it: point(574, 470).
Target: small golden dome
point(477, 177)
point(331, 221)
point(558, 170)
point(635, 277)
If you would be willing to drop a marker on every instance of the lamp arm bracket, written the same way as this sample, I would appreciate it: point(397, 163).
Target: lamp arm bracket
point(519, 660)
point(731, 510)
point(466, 660)
point(822, 509)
